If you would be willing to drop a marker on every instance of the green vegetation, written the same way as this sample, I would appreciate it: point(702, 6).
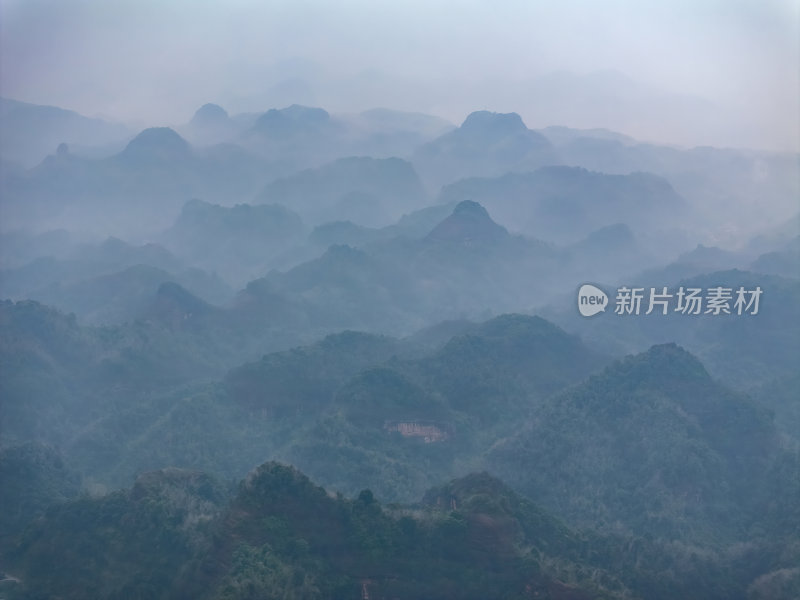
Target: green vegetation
point(166, 400)
point(173, 536)
point(648, 479)
point(652, 444)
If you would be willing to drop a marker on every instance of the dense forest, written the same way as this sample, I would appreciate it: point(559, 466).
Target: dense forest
point(305, 354)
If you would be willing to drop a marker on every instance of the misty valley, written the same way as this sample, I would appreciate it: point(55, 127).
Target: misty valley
point(304, 354)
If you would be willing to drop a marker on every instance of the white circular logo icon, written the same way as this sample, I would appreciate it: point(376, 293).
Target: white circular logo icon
point(591, 300)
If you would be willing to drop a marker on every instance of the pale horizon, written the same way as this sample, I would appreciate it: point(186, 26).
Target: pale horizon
point(683, 73)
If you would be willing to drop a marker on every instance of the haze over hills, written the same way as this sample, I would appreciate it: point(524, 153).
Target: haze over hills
point(407, 274)
point(663, 384)
point(772, 336)
point(30, 132)
point(314, 301)
point(150, 179)
point(351, 430)
point(385, 301)
point(240, 160)
point(368, 191)
point(485, 144)
point(563, 204)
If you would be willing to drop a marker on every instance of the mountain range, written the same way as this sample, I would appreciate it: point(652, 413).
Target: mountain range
point(203, 323)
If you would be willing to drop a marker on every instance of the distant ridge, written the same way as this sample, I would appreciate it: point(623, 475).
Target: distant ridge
point(210, 114)
point(293, 120)
point(157, 143)
point(469, 222)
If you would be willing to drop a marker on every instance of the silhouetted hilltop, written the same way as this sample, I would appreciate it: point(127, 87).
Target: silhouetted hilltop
point(784, 262)
point(110, 298)
point(292, 121)
point(304, 379)
point(209, 115)
point(610, 253)
point(212, 125)
point(29, 132)
point(657, 431)
point(364, 190)
point(486, 144)
point(610, 237)
point(155, 145)
point(175, 304)
point(564, 204)
point(263, 228)
point(81, 262)
point(469, 223)
point(485, 125)
point(486, 367)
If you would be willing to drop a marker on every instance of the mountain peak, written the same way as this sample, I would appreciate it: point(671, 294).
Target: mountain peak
point(611, 237)
point(671, 355)
point(483, 122)
point(509, 325)
point(209, 114)
point(469, 222)
point(470, 207)
point(292, 120)
point(175, 305)
point(157, 143)
point(665, 367)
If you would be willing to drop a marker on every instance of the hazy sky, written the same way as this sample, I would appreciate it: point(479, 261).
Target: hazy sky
point(721, 71)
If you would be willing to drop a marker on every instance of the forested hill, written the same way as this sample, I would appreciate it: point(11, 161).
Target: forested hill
point(179, 534)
